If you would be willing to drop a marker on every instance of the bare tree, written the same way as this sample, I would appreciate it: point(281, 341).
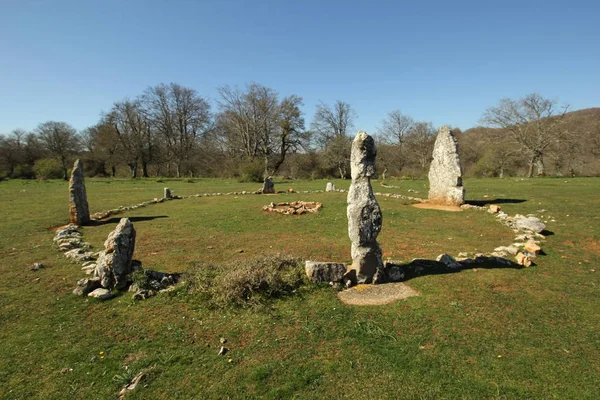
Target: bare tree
point(533, 122)
point(60, 139)
point(12, 149)
point(180, 116)
point(132, 130)
point(103, 146)
point(395, 127)
point(255, 124)
point(329, 123)
point(419, 144)
point(292, 136)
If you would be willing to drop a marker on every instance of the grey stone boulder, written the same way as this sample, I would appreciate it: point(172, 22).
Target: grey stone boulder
point(268, 186)
point(448, 261)
point(115, 263)
point(325, 271)
point(529, 224)
point(445, 171)
point(85, 286)
point(330, 187)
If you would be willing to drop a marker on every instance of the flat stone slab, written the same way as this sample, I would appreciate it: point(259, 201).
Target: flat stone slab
point(375, 295)
point(441, 207)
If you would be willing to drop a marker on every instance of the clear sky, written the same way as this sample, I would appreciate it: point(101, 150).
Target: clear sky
point(440, 61)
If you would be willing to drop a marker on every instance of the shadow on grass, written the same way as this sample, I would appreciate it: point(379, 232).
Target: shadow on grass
point(424, 267)
point(482, 203)
point(116, 220)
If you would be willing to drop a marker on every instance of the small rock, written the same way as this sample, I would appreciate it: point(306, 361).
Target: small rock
point(223, 340)
point(37, 267)
point(494, 209)
point(85, 286)
point(223, 351)
point(101, 294)
point(532, 247)
point(448, 260)
point(522, 259)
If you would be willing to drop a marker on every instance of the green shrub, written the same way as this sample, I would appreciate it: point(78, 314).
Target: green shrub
point(251, 170)
point(48, 168)
point(245, 284)
point(23, 171)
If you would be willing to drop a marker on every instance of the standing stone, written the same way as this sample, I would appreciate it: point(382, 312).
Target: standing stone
point(167, 193)
point(114, 264)
point(445, 172)
point(268, 186)
point(364, 213)
point(330, 187)
point(78, 204)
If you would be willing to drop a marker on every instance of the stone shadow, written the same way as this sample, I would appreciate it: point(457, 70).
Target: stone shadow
point(482, 203)
point(402, 272)
point(115, 220)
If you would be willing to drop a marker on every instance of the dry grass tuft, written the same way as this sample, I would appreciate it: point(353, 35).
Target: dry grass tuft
point(248, 283)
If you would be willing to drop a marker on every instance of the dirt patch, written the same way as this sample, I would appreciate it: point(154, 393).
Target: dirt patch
point(294, 208)
point(374, 295)
point(430, 206)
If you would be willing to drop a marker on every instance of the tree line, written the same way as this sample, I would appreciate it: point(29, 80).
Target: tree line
point(252, 132)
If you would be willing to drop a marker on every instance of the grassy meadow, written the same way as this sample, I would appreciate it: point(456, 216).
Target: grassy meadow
point(531, 333)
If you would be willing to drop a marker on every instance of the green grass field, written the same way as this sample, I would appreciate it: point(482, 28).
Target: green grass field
point(531, 333)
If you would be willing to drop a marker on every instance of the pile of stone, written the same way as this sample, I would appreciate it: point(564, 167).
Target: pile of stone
point(526, 246)
point(294, 208)
point(114, 265)
point(70, 241)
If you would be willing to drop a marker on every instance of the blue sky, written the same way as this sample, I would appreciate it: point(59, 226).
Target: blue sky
point(439, 61)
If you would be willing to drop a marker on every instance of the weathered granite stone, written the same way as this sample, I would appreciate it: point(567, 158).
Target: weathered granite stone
point(445, 172)
point(167, 193)
point(85, 286)
point(330, 187)
point(268, 186)
point(114, 265)
point(325, 271)
point(364, 213)
point(529, 223)
point(78, 204)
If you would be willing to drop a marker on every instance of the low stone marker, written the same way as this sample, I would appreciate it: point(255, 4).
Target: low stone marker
point(167, 193)
point(114, 264)
point(445, 172)
point(78, 204)
point(330, 187)
point(268, 186)
point(325, 271)
point(364, 213)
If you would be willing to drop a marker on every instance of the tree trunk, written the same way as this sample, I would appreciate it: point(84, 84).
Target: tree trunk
point(501, 173)
point(133, 168)
point(113, 171)
point(530, 171)
point(539, 165)
point(145, 169)
point(178, 170)
point(64, 166)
